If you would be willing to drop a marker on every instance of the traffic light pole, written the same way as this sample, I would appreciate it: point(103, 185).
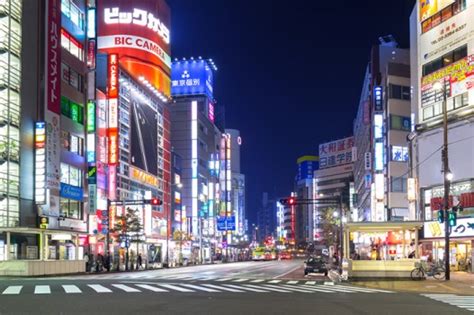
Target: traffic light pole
point(446, 184)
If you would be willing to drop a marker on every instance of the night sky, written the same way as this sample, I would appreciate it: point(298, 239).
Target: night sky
point(290, 73)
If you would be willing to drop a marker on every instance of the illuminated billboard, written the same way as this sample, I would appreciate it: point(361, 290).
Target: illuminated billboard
point(431, 7)
point(139, 31)
point(193, 77)
point(143, 144)
point(336, 153)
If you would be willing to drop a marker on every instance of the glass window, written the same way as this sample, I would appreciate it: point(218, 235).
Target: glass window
point(70, 10)
point(399, 184)
point(71, 175)
point(71, 208)
point(436, 19)
point(447, 13)
point(437, 109)
point(428, 112)
point(70, 44)
point(64, 173)
point(406, 93)
point(396, 91)
point(399, 154)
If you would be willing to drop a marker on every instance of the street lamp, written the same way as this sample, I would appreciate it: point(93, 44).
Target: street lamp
point(448, 176)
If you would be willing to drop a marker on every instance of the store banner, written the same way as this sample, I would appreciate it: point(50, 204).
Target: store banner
point(464, 228)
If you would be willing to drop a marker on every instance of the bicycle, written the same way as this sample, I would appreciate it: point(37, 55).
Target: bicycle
point(420, 272)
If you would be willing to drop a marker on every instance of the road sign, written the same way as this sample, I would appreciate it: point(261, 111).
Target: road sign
point(226, 223)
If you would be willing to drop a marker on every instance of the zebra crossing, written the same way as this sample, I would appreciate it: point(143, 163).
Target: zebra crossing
point(214, 288)
point(462, 301)
point(184, 277)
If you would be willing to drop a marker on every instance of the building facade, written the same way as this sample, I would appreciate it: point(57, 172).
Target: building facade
point(442, 63)
point(381, 127)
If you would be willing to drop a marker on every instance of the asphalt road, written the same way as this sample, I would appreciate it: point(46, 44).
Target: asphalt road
point(240, 288)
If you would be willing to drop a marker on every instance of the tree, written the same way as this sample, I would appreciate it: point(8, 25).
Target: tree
point(129, 229)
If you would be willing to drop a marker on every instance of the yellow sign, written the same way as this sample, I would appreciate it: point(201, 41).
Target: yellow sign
point(143, 177)
point(456, 72)
point(431, 7)
point(44, 221)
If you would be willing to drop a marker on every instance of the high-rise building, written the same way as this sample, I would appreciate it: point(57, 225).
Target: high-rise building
point(238, 182)
point(333, 182)
point(205, 151)
point(380, 133)
point(266, 218)
point(43, 209)
point(442, 66)
point(129, 149)
point(303, 216)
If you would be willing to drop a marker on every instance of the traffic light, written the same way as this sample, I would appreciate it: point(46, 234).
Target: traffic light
point(452, 218)
point(155, 202)
point(441, 216)
point(291, 201)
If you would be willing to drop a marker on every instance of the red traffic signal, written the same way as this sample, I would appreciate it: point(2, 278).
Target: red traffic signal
point(291, 201)
point(156, 202)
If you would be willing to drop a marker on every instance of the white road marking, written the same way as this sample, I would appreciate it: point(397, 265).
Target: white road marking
point(174, 287)
point(125, 288)
point(42, 289)
point(69, 288)
point(224, 279)
point(292, 282)
point(13, 289)
point(292, 288)
point(311, 282)
point(151, 288)
point(99, 288)
point(223, 288)
point(358, 289)
point(257, 281)
point(241, 280)
point(246, 287)
point(197, 287)
point(316, 288)
point(273, 288)
point(274, 281)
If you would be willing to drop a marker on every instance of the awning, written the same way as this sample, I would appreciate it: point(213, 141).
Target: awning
point(382, 226)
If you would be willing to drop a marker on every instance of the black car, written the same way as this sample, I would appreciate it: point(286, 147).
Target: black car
point(315, 265)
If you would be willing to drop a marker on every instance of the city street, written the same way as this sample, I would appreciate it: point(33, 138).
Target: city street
point(237, 288)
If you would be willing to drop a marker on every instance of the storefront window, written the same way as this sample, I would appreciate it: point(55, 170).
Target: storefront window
point(71, 208)
point(61, 247)
point(391, 245)
point(24, 246)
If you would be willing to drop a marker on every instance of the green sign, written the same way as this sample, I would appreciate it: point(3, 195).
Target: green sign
point(90, 116)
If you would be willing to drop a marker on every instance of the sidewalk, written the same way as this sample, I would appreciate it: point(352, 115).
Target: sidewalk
point(460, 283)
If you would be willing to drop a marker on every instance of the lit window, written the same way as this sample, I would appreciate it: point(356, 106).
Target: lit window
point(399, 154)
point(70, 10)
point(69, 43)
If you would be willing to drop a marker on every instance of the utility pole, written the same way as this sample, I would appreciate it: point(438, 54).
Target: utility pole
point(446, 175)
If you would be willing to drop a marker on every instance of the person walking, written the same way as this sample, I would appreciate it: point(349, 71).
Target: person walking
point(139, 261)
point(86, 260)
point(107, 262)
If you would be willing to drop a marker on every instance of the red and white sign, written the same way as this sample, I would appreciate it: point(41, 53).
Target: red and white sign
point(53, 56)
point(112, 91)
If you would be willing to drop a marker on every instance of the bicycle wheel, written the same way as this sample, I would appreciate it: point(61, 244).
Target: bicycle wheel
point(417, 274)
point(439, 273)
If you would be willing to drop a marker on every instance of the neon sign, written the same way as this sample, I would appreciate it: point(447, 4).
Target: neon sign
point(40, 162)
point(137, 17)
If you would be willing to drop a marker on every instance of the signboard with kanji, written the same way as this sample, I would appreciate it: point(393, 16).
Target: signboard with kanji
point(335, 153)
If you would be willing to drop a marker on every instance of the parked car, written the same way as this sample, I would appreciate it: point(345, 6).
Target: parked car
point(315, 265)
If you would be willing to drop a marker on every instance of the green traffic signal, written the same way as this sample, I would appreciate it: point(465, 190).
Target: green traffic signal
point(452, 218)
point(441, 216)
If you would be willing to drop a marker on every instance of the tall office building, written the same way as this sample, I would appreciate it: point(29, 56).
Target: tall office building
point(197, 137)
point(442, 64)
point(380, 133)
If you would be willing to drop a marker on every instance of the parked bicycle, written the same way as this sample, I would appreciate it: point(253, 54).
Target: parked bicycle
point(420, 272)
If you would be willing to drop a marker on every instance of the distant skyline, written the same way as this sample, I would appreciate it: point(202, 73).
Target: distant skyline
point(290, 76)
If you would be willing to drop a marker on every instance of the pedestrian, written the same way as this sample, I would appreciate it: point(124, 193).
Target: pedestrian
point(139, 261)
point(86, 260)
point(107, 262)
point(99, 263)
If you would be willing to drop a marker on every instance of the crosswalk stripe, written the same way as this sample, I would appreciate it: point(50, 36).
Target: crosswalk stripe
point(197, 287)
point(311, 282)
point(151, 288)
point(274, 281)
point(358, 289)
point(42, 289)
point(292, 282)
point(223, 288)
point(224, 279)
point(99, 288)
point(257, 281)
point(240, 280)
point(463, 302)
point(125, 288)
point(316, 288)
point(273, 288)
point(292, 288)
point(174, 287)
point(69, 288)
point(246, 287)
point(328, 289)
point(13, 289)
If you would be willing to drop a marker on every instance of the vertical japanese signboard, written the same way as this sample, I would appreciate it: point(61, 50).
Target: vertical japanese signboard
point(336, 153)
point(52, 102)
